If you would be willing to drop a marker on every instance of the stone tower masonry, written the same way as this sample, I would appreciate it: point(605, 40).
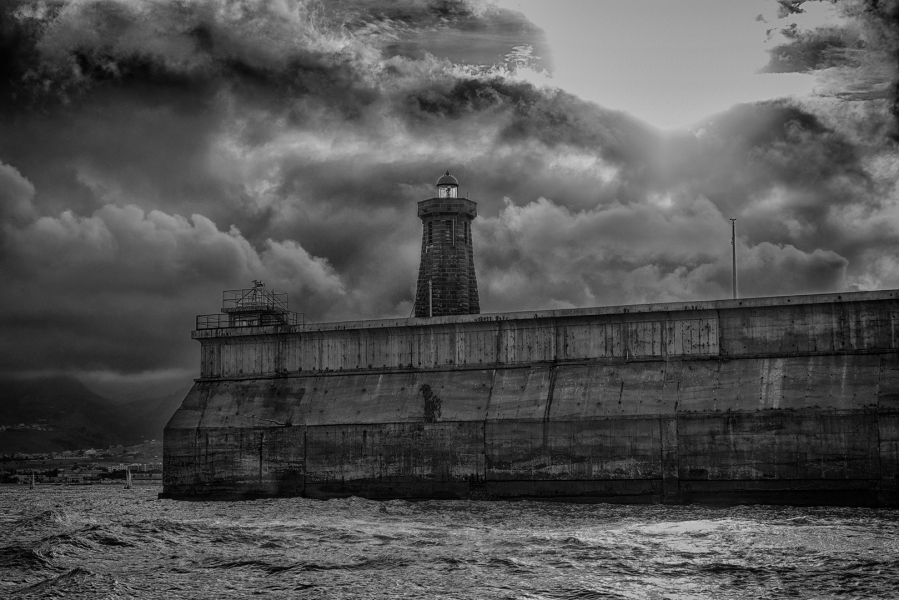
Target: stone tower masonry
point(446, 279)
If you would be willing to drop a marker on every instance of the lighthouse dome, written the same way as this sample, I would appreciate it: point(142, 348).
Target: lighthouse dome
point(448, 179)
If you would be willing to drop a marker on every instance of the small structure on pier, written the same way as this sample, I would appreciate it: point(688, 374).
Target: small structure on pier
point(252, 307)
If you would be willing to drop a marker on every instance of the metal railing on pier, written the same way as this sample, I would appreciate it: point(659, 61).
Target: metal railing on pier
point(223, 321)
point(255, 298)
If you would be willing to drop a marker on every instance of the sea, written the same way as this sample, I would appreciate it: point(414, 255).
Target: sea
point(109, 542)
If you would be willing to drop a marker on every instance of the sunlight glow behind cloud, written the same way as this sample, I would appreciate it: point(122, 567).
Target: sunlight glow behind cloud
point(667, 63)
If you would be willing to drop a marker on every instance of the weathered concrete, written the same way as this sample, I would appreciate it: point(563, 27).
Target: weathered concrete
point(791, 399)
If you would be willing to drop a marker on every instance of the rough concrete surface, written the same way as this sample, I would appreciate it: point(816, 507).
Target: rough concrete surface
point(776, 400)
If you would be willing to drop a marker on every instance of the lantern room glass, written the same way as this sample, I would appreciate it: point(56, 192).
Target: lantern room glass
point(447, 191)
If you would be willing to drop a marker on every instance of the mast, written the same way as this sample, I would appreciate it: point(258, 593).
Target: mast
point(733, 243)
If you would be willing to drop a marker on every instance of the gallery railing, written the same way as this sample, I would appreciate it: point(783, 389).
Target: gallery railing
point(222, 321)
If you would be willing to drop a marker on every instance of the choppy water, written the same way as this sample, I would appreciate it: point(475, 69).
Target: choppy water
point(107, 542)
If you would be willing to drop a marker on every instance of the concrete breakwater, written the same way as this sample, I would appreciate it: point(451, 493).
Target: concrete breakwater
point(777, 400)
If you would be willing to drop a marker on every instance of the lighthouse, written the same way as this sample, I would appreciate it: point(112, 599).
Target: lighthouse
point(446, 280)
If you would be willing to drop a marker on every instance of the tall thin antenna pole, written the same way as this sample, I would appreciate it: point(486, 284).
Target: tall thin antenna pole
point(733, 243)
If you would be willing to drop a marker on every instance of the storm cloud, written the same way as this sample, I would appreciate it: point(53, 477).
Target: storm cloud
point(155, 153)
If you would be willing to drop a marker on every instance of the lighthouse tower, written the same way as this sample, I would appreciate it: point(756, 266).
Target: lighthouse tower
point(446, 279)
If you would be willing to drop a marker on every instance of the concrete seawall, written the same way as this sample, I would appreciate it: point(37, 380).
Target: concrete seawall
point(790, 399)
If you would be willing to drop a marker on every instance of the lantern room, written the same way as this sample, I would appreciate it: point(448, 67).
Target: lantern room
point(447, 186)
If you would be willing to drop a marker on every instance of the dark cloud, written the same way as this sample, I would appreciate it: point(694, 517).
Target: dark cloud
point(789, 7)
point(16, 194)
point(857, 60)
point(108, 290)
point(156, 153)
point(813, 50)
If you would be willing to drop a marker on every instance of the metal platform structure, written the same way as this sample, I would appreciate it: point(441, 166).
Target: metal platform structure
point(252, 307)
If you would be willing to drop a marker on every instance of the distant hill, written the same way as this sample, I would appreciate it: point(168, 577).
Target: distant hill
point(59, 413)
point(145, 419)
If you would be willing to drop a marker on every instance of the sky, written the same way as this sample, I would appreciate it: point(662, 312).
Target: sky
point(668, 63)
point(153, 154)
